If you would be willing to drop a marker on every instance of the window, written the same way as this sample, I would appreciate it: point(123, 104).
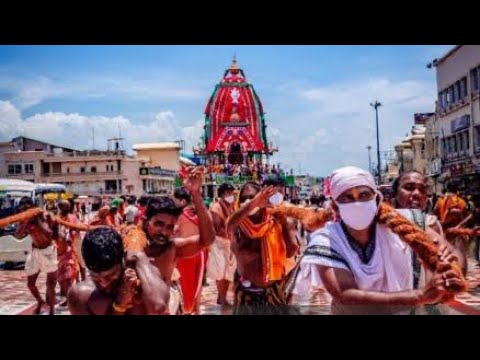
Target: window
point(463, 87)
point(14, 169)
point(451, 95)
point(56, 168)
point(82, 169)
point(29, 169)
point(477, 137)
point(467, 140)
point(107, 167)
point(474, 79)
point(460, 142)
point(93, 169)
point(457, 91)
point(68, 170)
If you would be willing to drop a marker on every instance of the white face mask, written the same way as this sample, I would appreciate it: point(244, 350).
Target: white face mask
point(276, 199)
point(230, 199)
point(358, 215)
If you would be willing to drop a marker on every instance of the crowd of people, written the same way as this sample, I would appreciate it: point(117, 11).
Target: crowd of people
point(257, 170)
point(151, 255)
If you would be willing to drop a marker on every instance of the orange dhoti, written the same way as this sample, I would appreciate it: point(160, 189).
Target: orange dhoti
point(191, 271)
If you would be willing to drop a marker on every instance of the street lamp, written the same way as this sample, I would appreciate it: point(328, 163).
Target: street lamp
point(376, 105)
point(369, 159)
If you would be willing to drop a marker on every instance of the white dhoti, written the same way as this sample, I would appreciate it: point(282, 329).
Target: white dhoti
point(221, 260)
point(175, 301)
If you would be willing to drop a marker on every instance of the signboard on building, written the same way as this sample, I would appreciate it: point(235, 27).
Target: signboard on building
point(158, 171)
point(459, 169)
point(461, 123)
point(421, 118)
point(434, 167)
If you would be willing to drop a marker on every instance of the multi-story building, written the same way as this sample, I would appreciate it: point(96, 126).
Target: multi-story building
point(433, 159)
point(91, 172)
point(160, 162)
point(458, 115)
point(410, 154)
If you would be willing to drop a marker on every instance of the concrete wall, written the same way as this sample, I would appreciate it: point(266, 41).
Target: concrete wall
point(165, 158)
point(457, 65)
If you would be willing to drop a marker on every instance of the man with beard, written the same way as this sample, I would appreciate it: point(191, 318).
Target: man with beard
point(155, 233)
point(118, 285)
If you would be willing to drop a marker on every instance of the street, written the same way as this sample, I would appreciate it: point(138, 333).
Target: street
point(15, 299)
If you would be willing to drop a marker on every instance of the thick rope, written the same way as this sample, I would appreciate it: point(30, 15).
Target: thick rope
point(418, 240)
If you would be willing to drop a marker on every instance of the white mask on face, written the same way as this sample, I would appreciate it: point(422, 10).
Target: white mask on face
point(276, 199)
point(358, 215)
point(230, 199)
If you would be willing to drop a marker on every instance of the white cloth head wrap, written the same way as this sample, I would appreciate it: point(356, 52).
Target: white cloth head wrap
point(348, 177)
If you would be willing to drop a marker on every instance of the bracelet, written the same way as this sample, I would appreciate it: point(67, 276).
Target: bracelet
point(119, 309)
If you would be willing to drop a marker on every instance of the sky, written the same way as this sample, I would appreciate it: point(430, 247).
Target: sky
point(316, 98)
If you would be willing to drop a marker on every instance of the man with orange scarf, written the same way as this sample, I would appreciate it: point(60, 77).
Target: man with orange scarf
point(261, 244)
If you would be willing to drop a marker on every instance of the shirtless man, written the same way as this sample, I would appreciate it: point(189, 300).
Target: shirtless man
point(261, 244)
point(42, 258)
point(158, 225)
point(114, 288)
point(191, 269)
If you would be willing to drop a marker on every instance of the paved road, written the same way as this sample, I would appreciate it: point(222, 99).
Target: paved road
point(16, 299)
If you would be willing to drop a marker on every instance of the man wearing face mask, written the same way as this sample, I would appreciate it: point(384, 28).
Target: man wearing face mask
point(221, 260)
point(261, 244)
point(363, 265)
point(292, 224)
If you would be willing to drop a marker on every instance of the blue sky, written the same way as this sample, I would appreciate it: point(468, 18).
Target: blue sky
point(316, 97)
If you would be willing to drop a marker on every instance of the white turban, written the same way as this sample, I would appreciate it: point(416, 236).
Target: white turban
point(349, 177)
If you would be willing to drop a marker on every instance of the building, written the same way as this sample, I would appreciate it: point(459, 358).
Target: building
point(92, 172)
point(433, 159)
point(160, 162)
point(409, 154)
point(24, 166)
point(458, 116)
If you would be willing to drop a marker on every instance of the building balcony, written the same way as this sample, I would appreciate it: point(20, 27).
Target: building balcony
point(86, 176)
point(91, 155)
point(101, 173)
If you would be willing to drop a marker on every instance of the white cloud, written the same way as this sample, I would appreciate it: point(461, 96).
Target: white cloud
point(75, 130)
point(333, 124)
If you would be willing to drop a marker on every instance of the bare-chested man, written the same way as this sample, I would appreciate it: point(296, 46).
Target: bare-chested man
point(158, 225)
point(192, 268)
point(42, 258)
point(114, 288)
point(262, 244)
